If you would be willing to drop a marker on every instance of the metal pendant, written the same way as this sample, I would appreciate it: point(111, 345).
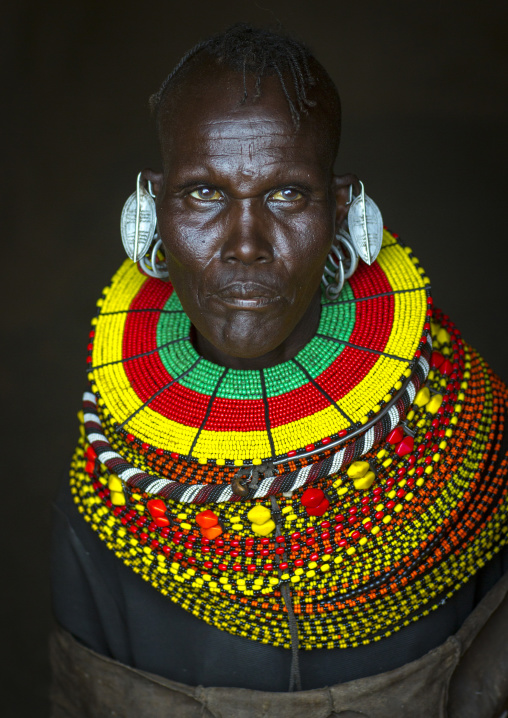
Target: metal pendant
point(365, 225)
point(138, 222)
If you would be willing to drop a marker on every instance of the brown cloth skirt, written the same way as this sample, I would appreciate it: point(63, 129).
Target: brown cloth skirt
point(465, 677)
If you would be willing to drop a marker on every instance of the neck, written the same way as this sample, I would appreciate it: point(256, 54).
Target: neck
point(289, 348)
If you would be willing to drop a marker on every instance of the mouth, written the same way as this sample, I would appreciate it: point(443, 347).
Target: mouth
point(247, 295)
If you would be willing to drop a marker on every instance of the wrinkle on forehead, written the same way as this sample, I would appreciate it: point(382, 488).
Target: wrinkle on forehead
point(210, 120)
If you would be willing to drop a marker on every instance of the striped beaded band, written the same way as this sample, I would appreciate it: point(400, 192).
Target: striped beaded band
point(168, 411)
point(373, 557)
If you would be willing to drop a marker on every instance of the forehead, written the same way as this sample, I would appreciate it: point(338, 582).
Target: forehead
point(206, 118)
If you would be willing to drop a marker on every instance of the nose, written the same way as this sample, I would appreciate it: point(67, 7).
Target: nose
point(246, 234)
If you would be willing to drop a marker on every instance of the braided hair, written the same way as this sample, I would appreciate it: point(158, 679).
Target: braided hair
point(259, 52)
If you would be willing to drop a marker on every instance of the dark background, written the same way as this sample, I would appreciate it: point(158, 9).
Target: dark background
point(424, 90)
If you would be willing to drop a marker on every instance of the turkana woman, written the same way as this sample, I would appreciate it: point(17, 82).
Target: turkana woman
point(291, 470)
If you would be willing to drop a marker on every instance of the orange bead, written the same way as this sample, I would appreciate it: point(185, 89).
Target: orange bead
point(212, 532)
point(207, 519)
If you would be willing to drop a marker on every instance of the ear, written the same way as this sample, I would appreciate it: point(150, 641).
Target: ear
point(156, 178)
point(340, 188)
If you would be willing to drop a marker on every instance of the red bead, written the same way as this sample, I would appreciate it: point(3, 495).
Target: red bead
point(143, 536)
point(325, 524)
point(145, 446)
point(299, 562)
point(279, 550)
point(236, 542)
point(249, 553)
point(292, 453)
point(326, 440)
point(339, 527)
point(390, 505)
point(355, 535)
point(174, 455)
point(237, 567)
point(342, 433)
point(313, 557)
point(265, 541)
point(310, 447)
point(159, 452)
point(219, 542)
point(167, 550)
point(130, 437)
point(280, 539)
point(311, 498)
point(436, 360)
point(379, 515)
point(325, 535)
point(419, 470)
point(446, 367)
point(269, 566)
point(368, 525)
point(208, 564)
point(265, 552)
point(343, 542)
point(283, 566)
point(310, 530)
point(406, 446)
point(295, 547)
point(161, 521)
point(401, 493)
point(296, 535)
point(396, 435)
point(156, 507)
point(223, 567)
point(165, 532)
point(320, 510)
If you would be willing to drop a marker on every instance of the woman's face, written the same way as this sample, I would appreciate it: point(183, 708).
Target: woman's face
point(246, 208)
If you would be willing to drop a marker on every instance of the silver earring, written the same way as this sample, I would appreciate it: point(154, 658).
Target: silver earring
point(340, 265)
point(155, 268)
point(365, 225)
point(138, 223)
point(138, 227)
point(361, 236)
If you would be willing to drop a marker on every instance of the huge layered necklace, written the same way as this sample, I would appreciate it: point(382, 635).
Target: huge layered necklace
point(363, 478)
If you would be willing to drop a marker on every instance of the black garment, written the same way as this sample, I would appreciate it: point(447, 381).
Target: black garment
point(112, 610)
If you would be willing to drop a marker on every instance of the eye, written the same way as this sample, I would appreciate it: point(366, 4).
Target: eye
point(207, 194)
point(288, 194)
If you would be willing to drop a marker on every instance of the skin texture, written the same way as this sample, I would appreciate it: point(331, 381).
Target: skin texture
point(247, 209)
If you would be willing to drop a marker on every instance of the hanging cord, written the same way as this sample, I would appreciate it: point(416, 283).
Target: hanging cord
point(295, 681)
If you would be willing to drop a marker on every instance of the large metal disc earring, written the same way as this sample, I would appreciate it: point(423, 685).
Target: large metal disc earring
point(365, 225)
point(340, 265)
point(138, 223)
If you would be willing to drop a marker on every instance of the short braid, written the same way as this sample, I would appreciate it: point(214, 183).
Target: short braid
point(260, 52)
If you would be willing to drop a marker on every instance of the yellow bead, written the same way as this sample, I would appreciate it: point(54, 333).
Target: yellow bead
point(337, 483)
point(202, 460)
point(434, 404)
point(325, 567)
point(422, 397)
point(220, 462)
point(312, 564)
point(256, 462)
point(310, 574)
point(358, 469)
point(409, 496)
point(365, 482)
point(115, 483)
point(185, 525)
point(351, 550)
point(264, 529)
point(442, 336)
point(117, 498)
point(375, 530)
point(259, 514)
point(238, 462)
point(363, 541)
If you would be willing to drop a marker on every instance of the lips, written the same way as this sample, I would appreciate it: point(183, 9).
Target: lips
point(248, 295)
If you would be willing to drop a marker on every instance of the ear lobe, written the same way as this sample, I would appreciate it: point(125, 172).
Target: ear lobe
point(341, 185)
point(156, 178)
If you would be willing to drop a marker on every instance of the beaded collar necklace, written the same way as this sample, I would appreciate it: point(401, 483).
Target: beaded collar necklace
point(360, 472)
